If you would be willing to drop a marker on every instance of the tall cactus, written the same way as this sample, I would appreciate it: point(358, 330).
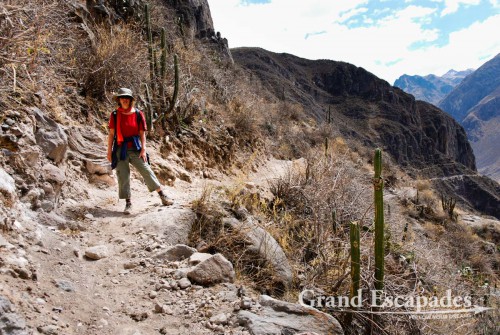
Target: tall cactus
point(378, 185)
point(163, 69)
point(176, 85)
point(355, 258)
point(163, 59)
point(158, 72)
point(448, 205)
point(150, 46)
point(149, 113)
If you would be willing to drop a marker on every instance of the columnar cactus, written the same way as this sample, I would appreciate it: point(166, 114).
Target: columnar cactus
point(158, 72)
point(163, 59)
point(448, 205)
point(176, 85)
point(378, 185)
point(150, 44)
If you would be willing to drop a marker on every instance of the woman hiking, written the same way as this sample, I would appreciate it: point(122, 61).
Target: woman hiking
point(127, 145)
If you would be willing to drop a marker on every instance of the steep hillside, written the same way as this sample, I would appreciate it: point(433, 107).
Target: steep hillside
point(484, 81)
point(420, 137)
point(415, 133)
point(431, 88)
point(475, 103)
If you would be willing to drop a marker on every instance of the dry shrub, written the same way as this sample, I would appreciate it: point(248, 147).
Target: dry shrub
point(466, 248)
point(425, 205)
point(20, 26)
point(116, 58)
point(423, 184)
point(312, 208)
point(490, 231)
point(245, 123)
point(210, 230)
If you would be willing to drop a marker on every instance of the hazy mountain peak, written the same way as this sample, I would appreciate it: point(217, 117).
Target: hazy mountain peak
point(431, 88)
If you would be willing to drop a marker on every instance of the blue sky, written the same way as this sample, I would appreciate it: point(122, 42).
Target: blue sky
point(386, 37)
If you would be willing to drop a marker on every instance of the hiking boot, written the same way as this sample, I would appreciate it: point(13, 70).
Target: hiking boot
point(128, 208)
point(166, 201)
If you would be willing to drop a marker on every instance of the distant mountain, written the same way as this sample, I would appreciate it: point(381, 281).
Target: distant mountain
point(475, 103)
point(431, 88)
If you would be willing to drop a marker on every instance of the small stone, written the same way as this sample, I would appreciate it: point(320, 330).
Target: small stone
point(184, 283)
point(130, 265)
point(102, 323)
point(48, 330)
point(153, 294)
point(65, 285)
point(246, 303)
point(97, 252)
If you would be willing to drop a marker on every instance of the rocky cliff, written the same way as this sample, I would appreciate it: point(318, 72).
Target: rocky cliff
point(419, 136)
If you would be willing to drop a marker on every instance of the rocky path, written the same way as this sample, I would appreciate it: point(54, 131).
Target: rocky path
point(105, 278)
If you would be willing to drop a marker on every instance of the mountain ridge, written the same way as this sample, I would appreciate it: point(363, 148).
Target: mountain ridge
point(475, 103)
point(431, 88)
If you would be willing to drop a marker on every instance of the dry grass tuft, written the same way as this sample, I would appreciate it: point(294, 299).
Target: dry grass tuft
point(116, 58)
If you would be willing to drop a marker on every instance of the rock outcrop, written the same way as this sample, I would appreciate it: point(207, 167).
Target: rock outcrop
point(279, 317)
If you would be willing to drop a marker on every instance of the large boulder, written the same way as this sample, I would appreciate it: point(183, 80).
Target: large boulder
point(279, 317)
point(11, 323)
point(50, 136)
point(7, 188)
point(216, 269)
point(264, 246)
point(176, 253)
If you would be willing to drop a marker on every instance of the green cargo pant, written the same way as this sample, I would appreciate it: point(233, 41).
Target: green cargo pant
point(123, 173)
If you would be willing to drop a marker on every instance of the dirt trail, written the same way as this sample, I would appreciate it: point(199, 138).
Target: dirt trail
point(117, 294)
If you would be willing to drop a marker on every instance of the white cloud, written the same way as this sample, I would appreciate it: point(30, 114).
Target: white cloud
point(382, 48)
point(451, 6)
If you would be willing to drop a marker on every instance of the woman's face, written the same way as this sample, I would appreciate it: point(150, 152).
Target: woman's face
point(124, 102)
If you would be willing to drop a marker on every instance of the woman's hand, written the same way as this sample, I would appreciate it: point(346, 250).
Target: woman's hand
point(143, 155)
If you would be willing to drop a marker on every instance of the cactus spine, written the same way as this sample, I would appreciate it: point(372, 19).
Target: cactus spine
point(355, 258)
point(378, 185)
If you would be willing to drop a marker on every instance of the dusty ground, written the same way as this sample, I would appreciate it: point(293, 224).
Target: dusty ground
point(117, 295)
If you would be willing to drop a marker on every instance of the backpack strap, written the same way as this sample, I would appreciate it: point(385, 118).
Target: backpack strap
point(115, 117)
point(140, 119)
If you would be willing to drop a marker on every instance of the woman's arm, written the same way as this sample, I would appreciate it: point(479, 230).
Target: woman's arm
point(111, 136)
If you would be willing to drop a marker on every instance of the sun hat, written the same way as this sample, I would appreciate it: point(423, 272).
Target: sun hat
point(124, 92)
